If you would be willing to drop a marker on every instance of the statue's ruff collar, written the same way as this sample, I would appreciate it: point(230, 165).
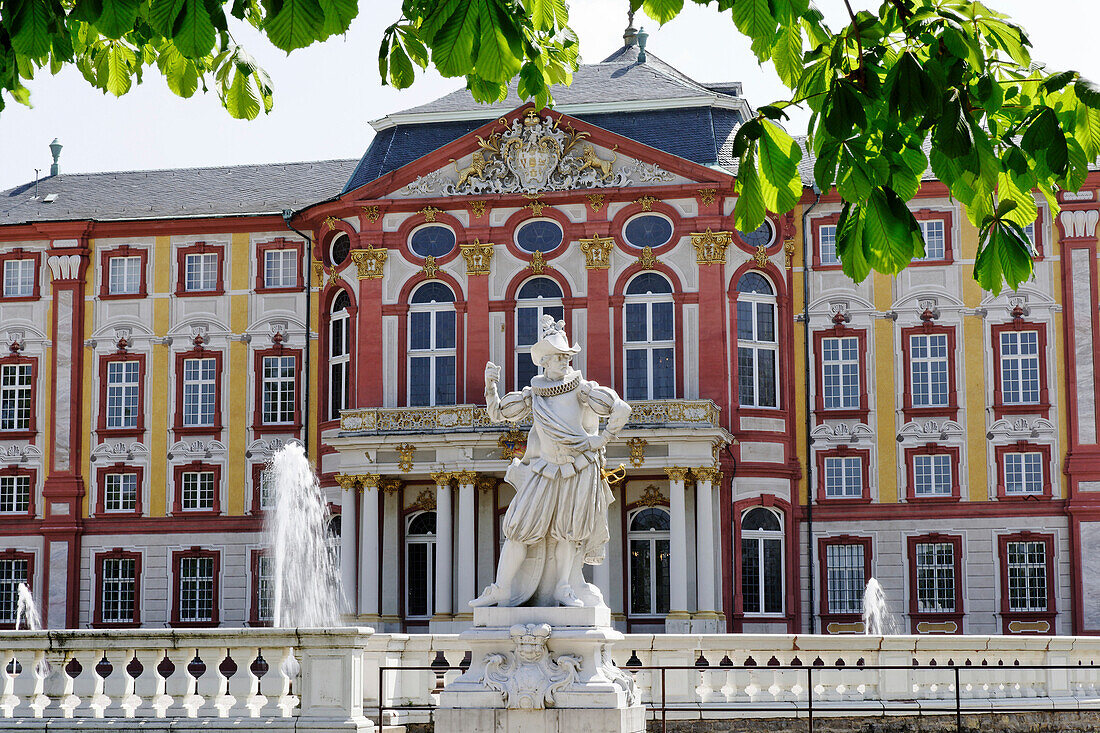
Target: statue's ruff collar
point(556, 388)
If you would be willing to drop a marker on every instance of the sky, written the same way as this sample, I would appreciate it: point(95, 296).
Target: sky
point(326, 95)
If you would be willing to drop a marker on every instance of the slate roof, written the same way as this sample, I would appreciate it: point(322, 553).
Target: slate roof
point(694, 130)
point(243, 190)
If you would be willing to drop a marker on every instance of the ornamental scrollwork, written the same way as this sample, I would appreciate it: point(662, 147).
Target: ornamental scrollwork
point(370, 262)
point(538, 264)
point(597, 252)
point(371, 213)
point(405, 453)
point(710, 247)
point(676, 473)
point(637, 451)
point(477, 256)
point(527, 678)
point(647, 260)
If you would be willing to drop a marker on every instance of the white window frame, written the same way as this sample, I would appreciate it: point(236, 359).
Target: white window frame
point(934, 571)
point(197, 492)
point(652, 537)
point(200, 272)
point(277, 390)
point(433, 353)
point(845, 370)
point(934, 232)
point(430, 541)
point(16, 389)
point(123, 394)
point(844, 468)
point(198, 584)
point(19, 278)
point(115, 491)
point(842, 582)
point(9, 586)
point(939, 471)
point(124, 275)
point(1026, 477)
point(1020, 385)
point(339, 357)
point(932, 367)
point(826, 243)
point(118, 584)
point(265, 587)
point(756, 346)
point(280, 268)
point(15, 493)
point(648, 345)
point(200, 391)
point(1024, 570)
point(760, 536)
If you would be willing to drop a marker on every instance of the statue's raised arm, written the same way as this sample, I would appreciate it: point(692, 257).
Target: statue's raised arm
point(513, 407)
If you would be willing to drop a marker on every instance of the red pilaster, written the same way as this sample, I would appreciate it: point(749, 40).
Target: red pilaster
point(713, 364)
point(368, 387)
point(598, 360)
point(477, 337)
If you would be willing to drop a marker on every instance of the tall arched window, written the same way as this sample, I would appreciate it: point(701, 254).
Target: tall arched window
point(332, 540)
point(537, 297)
point(420, 565)
point(757, 343)
point(648, 536)
point(432, 345)
point(761, 562)
point(339, 355)
point(650, 339)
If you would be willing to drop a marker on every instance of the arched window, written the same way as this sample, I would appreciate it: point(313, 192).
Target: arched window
point(650, 339)
point(432, 345)
point(339, 355)
point(757, 343)
point(648, 536)
point(332, 540)
point(420, 565)
point(537, 297)
point(339, 249)
point(761, 562)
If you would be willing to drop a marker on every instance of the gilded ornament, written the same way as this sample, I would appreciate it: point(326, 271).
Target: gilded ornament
point(637, 451)
point(430, 268)
point(429, 212)
point(319, 273)
point(368, 481)
point(710, 247)
point(676, 473)
point(707, 196)
point(536, 207)
point(390, 484)
point(486, 483)
point(707, 473)
point(512, 444)
point(646, 202)
point(595, 200)
point(442, 478)
point(597, 252)
point(760, 256)
point(477, 209)
point(477, 256)
point(788, 253)
point(647, 260)
point(425, 501)
point(330, 222)
point(345, 481)
point(602, 167)
point(615, 475)
point(538, 263)
point(405, 452)
point(371, 213)
point(370, 262)
point(466, 478)
point(653, 496)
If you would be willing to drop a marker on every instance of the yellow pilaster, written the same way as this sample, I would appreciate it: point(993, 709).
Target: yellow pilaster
point(882, 345)
point(158, 378)
point(973, 358)
point(798, 275)
point(237, 374)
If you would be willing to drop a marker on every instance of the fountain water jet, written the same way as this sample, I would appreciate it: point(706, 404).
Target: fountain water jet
point(877, 619)
point(304, 587)
point(26, 609)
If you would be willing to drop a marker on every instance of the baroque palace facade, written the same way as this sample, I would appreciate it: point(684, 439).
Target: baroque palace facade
point(793, 434)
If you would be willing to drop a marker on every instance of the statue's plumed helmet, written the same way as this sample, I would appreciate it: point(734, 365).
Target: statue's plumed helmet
point(553, 341)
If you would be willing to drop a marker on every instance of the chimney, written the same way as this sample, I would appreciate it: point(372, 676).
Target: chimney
point(55, 149)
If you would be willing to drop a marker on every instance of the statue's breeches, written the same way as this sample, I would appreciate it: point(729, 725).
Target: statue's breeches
point(567, 508)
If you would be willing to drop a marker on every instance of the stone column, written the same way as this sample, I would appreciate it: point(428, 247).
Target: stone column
point(678, 619)
point(465, 549)
point(443, 546)
point(369, 544)
point(705, 478)
point(348, 577)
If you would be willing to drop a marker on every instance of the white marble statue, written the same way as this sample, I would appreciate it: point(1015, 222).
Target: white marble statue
point(557, 521)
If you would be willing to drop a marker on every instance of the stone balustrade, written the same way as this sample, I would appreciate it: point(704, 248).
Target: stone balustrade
point(247, 679)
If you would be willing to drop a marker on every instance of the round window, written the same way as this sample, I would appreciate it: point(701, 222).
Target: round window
point(432, 241)
point(339, 249)
point(539, 235)
point(648, 230)
point(762, 235)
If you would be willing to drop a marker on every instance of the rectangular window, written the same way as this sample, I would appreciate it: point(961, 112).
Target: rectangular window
point(15, 494)
point(1023, 473)
point(198, 488)
point(843, 477)
point(1027, 576)
point(928, 365)
point(265, 607)
point(1020, 367)
point(119, 581)
point(932, 475)
point(840, 372)
point(935, 242)
point(201, 272)
point(935, 577)
point(845, 567)
point(15, 396)
point(19, 278)
point(199, 392)
point(278, 390)
point(12, 573)
point(196, 589)
point(120, 492)
point(267, 490)
point(280, 268)
point(123, 385)
point(124, 275)
point(827, 240)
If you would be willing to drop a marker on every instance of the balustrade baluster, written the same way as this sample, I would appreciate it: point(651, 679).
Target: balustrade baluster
point(147, 685)
point(67, 700)
point(285, 673)
point(38, 671)
point(177, 683)
point(204, 690)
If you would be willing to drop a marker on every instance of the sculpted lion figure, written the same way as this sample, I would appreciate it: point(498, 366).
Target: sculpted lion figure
point(596, 163)
point(476, 169)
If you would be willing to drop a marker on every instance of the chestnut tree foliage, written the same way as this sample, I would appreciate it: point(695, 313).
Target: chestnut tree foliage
point(952, 77)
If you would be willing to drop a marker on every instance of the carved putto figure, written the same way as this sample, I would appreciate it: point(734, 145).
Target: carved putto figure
point(557, 521)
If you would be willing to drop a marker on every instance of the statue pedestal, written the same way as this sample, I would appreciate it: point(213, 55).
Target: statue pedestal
point(541, 669)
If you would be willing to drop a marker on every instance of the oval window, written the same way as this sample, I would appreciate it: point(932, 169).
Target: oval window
point(648, 230)
point(762, 235)
point(539, 235)
point(432, 241)
point(339, 249)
